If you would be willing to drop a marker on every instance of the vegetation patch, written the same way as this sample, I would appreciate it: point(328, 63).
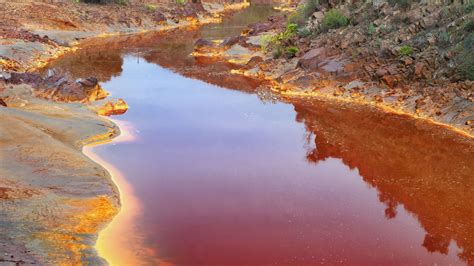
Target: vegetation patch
point(303, 12)
point(469, 27)
point(404, 4)
point(150, 8)
point(406, 50)
point(334, 19)
point(465, 58)
point(291, 51)
point(281, 42)
point(371, 30)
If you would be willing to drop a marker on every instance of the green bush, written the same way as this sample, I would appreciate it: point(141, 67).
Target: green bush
point(181, 2)
point(291, 51)
point(121, 2)
point(469, 7)
point(406, 50)
point(465, 58)
point(303, 12)
point(334, 19)
point(469, 26)
point(371, 29)
point(303, 32)
point(443, 39)
point(150, 8)
point(277, 43)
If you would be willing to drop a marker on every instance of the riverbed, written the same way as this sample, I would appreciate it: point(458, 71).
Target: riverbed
point(213, 173)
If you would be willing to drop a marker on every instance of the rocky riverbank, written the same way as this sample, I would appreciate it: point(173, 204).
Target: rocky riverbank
point(414, 59)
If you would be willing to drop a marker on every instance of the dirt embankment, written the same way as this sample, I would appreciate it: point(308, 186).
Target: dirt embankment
point(414, 59)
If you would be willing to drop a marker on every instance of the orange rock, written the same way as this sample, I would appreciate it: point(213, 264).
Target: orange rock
point(391, 81)
point(111, 108)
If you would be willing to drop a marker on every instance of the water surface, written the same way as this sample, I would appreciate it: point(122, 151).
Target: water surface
point(226, 178)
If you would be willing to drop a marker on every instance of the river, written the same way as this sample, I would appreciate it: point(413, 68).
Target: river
point(214, 174)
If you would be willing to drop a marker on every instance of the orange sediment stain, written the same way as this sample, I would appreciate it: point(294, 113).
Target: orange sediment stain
point(121, 242)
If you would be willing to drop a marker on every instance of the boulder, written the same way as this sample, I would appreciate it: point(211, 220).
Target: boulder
point(311, 59)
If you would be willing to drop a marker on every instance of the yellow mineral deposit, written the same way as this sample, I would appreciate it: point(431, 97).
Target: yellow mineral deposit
point(120, 243)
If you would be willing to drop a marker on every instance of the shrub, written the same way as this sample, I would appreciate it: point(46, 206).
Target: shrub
point(469, 7)
point(467, 68)
point(121, 2)
point(181, 2)
point(469, 26)
point(276, 53)
point(371, 30)
point(291, 51)
point(304, 32)
point(276, 43)
point(406, 50)
point(443, 39)
point(150, 8)
point(466, 58)
point(404, 4)
point(303, 12)
point(334, 19)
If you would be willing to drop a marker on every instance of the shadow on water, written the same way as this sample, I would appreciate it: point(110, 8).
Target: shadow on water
point(228, 180)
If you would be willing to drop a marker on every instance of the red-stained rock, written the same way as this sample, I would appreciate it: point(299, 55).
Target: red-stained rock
point(419, 69)
point(311, 59)
point(391, 81)
point(254, 61)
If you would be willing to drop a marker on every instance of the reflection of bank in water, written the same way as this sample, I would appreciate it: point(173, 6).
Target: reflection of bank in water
point(428, 170)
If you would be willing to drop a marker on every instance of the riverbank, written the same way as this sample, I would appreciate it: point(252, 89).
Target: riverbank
point(379, 60)
point(54, 199)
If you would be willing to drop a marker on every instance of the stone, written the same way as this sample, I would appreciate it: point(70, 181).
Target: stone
point(381, 72)
point(231, 41)
point(201, 43)
point(311, 60)
point(419, 69)
point(391, 81)
point(5, 75)
point(113, 108)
